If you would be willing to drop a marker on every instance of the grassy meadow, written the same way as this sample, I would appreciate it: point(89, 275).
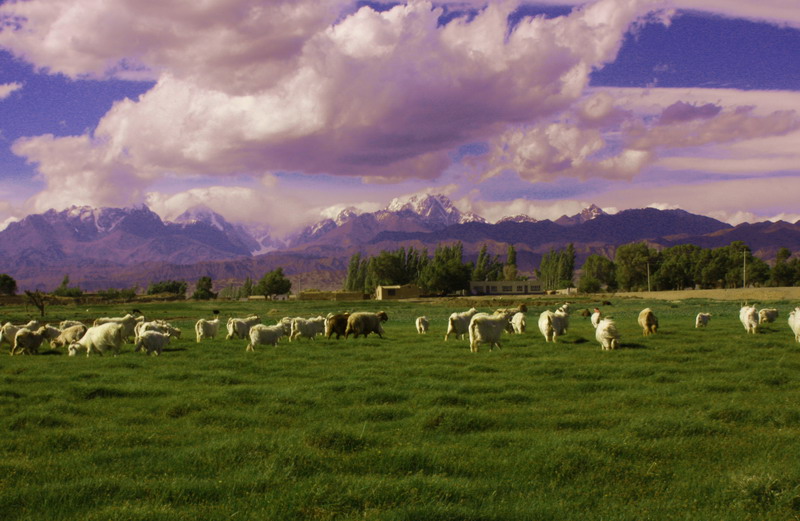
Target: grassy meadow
point(684, 425)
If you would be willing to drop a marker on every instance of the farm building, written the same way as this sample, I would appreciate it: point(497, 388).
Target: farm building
point(504, 287)
point(395, 292)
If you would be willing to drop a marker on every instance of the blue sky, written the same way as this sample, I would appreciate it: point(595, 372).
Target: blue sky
point(280, 112)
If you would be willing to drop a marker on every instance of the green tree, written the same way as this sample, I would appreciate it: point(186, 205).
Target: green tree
point(598, 271)
point(510, 271)
point(176, 287)
point(274, 283)
point(677, 269)
point(8, 286)
point(246, 288)
point(634, 261)
point(557, 268)
point(782, 273)
point(487, 267)
point(446, 272)
point(64, 290)
point(203, 289)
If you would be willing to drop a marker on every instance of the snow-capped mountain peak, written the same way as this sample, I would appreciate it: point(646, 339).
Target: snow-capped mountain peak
point(521, 218)
point(434, 209)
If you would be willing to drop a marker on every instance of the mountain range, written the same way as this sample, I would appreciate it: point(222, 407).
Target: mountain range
point(101, 248)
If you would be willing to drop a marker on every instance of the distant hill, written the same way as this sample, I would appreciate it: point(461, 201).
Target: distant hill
point(122, 247)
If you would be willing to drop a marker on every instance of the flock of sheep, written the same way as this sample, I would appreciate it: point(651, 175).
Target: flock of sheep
point(109, 334)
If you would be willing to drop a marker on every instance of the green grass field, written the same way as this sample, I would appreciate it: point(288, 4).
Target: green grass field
point(685, 425)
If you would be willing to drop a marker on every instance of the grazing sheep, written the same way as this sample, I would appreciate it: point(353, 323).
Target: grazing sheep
point(99, 339)
point(161, 326)
point(336, 323)
point(648, 322)
point(27, 342)
point(767, 315)
point(239, 327)
point(595, 318)
point(128, 323)
point(9, 331)
point(206, 329)
point(552, 325)
point(364, 323)
point(794, 323)
point(486, 329)
point(68, 336)
point(458, 323)
point(702, 319)
point(69, 323)
point(307, 327)
point(286, 324)
point(519, 323)
point(264, 335)
point(152, 342)
point(748, 315)
point(422, 325)
point(606, 333)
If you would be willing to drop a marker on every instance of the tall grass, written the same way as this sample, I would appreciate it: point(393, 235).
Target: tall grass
point(687, 424)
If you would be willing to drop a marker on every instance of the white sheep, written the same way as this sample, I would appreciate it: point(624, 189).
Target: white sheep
point(596, 317)
point(606, 333)
point(161, 326)
point(264, 335)
point(239, 327)
point(422, 324)
point(552, 324)
point(702, 319)
point(364, 323)
point(152, 342)
point(206, 329)
point(128, 323)
point(519, 322)
point(9, 331)
point(68, 336)
point(648, 322)
point(286, 324)
point(307, 327)
point(748, 315)
point(27, 342)
point(99, 339)
point(794, 323)
point(486, 329)
point(458, 323)
point(767, 315)
point(69, 323)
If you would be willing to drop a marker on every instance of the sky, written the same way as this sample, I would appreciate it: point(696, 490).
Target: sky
point(280, 112)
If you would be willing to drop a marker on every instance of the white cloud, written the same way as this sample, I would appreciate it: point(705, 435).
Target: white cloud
point(6, 89)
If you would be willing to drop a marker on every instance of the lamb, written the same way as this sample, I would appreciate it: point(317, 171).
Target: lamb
point(364, 323)
point(336, 323)
point(518, 322)
point(485, 328)
point(458, 323)
point(648, 322)
point(595, 318)
point(206, 329)
point(27, 342)
point(99, 339)
point(152, 342)
point(702, 320)
point(307, 327)
point(422, 325)
point(239, 327)
point(767, 315)
point(552, 324)
point(749, 318)
point(68, 336)
point(128, 323)
point(794, 323)
point(264, 335)
point(606, 333)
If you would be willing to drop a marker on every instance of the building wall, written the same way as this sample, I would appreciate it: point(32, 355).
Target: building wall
point(505, 287)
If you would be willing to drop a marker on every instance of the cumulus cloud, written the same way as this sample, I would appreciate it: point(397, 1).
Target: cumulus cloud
point(383, 95)
point(6, 89)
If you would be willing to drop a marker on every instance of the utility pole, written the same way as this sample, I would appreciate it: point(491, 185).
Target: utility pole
point(648, 276)
point(744, 268)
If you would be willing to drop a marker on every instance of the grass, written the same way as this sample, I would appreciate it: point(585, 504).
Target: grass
point(687, 424)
